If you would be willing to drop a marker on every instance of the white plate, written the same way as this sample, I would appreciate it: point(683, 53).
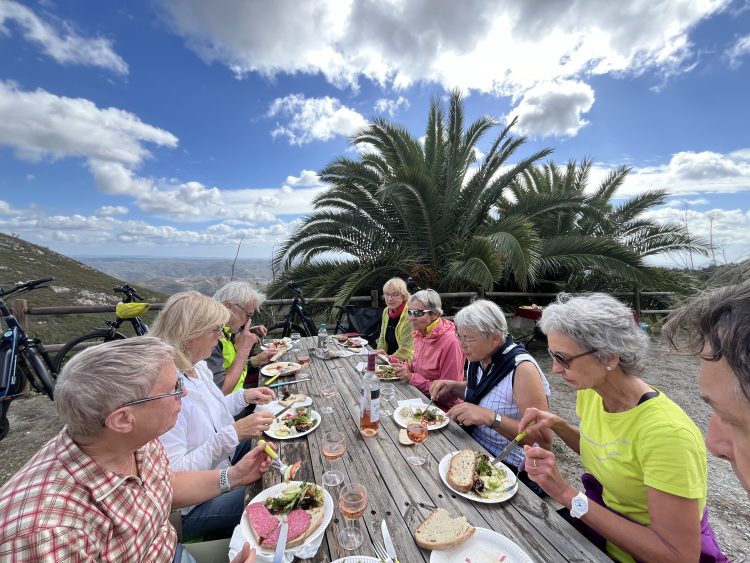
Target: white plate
point(313, 414)
point(275, 406)
point(358, 559)
point(485, 546)
point(379, 373)
point(443, 469)
point(274, 491)
point(273, 369)
point(404, 422)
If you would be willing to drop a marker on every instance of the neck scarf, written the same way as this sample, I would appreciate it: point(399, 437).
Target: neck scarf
point(502, 363)
point(398, 311)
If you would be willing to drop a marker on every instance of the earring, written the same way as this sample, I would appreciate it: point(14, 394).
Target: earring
point(609, 368)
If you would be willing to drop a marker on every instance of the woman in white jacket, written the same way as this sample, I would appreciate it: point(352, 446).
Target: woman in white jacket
point(206, 435)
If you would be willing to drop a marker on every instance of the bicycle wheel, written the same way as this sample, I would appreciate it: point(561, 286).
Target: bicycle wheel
point(279, 330)
point(84, 341)
point(4, 422)
point(39, 372)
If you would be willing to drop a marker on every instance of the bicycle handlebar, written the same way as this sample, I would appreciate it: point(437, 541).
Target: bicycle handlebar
point(296, 291)
point(25, 286)
point(129, 293)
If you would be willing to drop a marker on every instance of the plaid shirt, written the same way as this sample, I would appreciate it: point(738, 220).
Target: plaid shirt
point(63, 506)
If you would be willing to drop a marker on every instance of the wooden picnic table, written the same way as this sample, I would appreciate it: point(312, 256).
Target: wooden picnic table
point(403, 494)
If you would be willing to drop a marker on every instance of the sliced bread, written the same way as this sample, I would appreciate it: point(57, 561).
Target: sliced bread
point(440, 531)
point(403, 437)
point(461, 470)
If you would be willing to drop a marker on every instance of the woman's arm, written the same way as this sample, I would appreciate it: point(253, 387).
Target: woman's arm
point(205, 456)
point(674, 531)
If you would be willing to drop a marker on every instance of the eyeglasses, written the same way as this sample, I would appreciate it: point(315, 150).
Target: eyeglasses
point(178, 392)
point(565, 362)
point(218, 330)
point(466, 340)
point(392, 295)
point(249, 315)
point(418, 312)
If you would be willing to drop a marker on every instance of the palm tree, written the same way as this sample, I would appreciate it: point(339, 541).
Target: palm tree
point(595, 220)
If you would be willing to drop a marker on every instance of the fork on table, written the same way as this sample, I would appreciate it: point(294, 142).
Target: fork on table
point(380, 552)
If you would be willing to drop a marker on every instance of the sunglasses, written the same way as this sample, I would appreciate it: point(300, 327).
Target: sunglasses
point(565, 362)
point(178, 392)
point(418, 312)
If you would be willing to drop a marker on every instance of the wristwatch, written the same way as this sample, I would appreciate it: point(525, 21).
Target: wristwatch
point(496, 425)
point(224, 485)
point(579, 506)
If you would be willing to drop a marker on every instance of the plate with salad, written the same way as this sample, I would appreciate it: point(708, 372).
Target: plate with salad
point(491, 483)
point(385, 372)
point(294, 423)
point(432, 416)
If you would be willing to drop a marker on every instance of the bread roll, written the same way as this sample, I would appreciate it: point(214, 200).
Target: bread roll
point(440, 531)
point(461, 470)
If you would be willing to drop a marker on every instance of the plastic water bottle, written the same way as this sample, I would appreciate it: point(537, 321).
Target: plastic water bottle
point(322, 338)
point(369, 400)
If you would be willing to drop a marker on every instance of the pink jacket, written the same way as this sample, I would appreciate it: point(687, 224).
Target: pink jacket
point(436, 356)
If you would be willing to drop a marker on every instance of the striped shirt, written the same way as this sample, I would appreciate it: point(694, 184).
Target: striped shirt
point(63, 506)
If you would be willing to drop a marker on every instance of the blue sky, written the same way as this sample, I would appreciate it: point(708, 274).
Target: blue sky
point(170, 128)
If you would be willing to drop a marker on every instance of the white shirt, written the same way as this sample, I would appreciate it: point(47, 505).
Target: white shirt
point(204, 436)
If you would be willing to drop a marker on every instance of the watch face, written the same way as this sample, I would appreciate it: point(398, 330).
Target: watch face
point(579, 505)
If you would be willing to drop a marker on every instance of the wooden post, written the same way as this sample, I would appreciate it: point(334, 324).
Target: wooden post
point(480, 292)
point(637, 301)
point(374, 299)
point(19, 307)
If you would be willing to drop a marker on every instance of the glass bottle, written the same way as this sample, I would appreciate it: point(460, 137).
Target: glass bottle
point(369, 397)
point(322, 338)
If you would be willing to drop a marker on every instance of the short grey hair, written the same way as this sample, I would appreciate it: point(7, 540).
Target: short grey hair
point(100, 379)
point(483, 316)
point(599, 322)
point(430, 298)
point(240, 292)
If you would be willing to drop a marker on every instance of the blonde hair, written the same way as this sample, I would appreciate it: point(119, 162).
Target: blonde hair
point(396, 284)
point(185, 316)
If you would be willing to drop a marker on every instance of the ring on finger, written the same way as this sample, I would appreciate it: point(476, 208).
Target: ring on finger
point(533, 463)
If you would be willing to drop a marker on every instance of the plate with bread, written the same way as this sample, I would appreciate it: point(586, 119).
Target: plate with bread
point(294, 423)
point(432, 416)
point(280, 369)
point(308, 508)
point(296, 399)
point(469, 473)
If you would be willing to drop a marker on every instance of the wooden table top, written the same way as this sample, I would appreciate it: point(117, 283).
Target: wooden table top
point(403, 494)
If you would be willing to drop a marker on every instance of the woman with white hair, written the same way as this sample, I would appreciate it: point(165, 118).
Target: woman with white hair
point(231, 362)
point(503, 380)
point(395, 331)
point(206, 435)
point(645, 459)
point(437, 353)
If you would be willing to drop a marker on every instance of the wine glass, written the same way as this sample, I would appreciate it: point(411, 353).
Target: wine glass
point(417, 432)
point(333, 447)
point(295, 338)
point(329, 392)
point(352, 504)
point(387, 392)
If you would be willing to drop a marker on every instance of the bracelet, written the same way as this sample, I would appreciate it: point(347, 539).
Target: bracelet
point(224, 485)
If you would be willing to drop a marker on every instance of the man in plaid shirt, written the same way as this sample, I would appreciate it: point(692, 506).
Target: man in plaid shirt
point(102, 489)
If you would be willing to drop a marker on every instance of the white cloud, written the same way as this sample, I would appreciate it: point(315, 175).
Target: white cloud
point(736, 52)
point(313, 119)
point(7, 210)
point(476, 44)
point(553, 108)
point(40, 125)
point(111, 211)
point(391, 107)
point(65, 45)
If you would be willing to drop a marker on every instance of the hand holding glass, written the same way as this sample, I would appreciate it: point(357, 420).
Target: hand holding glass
point(387, 393)
point(329, 392)
point(417, 432)
point(333, 447)
point(352, 504)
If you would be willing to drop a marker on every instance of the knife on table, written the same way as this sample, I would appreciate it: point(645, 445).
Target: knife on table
point(388, 542)
point(278, 557)
point(509, 448)
point(289, 382)
point(282, 411)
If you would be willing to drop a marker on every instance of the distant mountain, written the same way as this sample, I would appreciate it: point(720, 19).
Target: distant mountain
point(170, 275)
point(75, 284)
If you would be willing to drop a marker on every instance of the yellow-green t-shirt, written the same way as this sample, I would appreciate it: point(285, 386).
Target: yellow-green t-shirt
point(654, 444)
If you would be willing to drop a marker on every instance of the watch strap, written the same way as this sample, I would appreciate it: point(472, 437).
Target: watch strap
point(224, 485)
point(496, 423)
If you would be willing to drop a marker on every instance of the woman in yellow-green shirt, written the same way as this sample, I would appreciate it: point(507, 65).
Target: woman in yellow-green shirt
point(395, 330)
point(645, 459)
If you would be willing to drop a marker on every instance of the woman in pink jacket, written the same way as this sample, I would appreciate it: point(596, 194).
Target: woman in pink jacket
point(437, 352)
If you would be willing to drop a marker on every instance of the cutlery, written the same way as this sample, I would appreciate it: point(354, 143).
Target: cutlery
point(381, 553)
point(509, 448)
point(389, 547)
point(289, 382)
point(278, 557)
point(287, 471)
point(271, 380)
point(282, 411)
point(383, 358)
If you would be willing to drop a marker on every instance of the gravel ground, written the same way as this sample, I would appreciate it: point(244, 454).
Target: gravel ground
point(34, 421)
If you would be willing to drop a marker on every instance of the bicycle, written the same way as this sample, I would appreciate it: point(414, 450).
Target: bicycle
point(126, 310)
point(296, 319)
point(35, 365)
point(364, 321)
